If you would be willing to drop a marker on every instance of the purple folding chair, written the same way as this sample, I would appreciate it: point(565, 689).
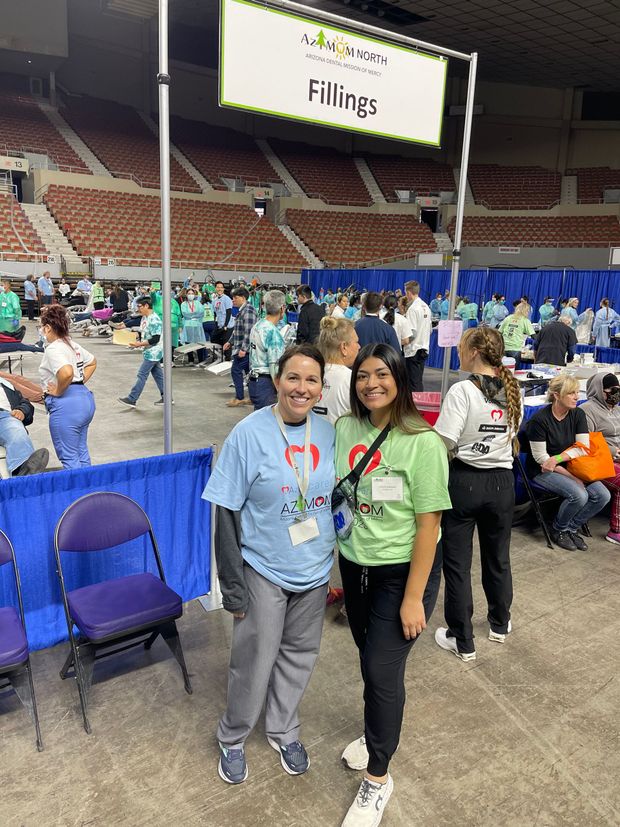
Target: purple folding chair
point(118, 611)
point(15, 670)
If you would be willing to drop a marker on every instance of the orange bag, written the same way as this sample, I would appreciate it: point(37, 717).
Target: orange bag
point(597, 464)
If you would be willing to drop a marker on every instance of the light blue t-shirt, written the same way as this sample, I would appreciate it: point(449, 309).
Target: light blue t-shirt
point(220, 305)
point(253, 476)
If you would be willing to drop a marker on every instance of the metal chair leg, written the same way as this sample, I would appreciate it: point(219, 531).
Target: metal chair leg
point(151, 640)
point(21, 681)
point(585, 530)
point(534, 501)
point(83, 664)
point(68, 664)
point(170, 634)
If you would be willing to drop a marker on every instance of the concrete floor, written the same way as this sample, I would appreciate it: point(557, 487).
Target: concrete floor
point(528, 734)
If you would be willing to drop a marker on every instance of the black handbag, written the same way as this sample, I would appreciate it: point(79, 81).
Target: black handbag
point(344, 495)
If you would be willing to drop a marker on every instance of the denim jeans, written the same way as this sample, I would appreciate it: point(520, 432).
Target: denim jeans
point(240, 366)
point(14, 437)
point(145, 368)
point(262, 392)
point(580, 502)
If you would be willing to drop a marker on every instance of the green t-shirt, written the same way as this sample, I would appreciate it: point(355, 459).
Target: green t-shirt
point(515, 329)
point(383, 532)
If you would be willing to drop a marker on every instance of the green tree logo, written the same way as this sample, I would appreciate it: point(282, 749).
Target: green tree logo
point(321, 42)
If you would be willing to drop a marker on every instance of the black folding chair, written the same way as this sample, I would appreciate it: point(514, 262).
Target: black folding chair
point(533, 500)
point(15, 669)
point(110, 615)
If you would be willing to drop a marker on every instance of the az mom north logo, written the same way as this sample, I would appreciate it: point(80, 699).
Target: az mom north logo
point(311, 505)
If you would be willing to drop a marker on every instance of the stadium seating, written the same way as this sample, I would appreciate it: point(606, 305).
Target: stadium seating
point(593, 181)
point(25, 128)
point(323, 173)
point(522, 231)
point(126, 227)
point(222, 153)
point(418, 174)
point(514, 188)
point(13, 222)
point(123, 142)
point(350, 239)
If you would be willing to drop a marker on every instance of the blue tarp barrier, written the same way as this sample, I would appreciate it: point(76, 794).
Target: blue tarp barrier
point(168, 488)
point(590, 286)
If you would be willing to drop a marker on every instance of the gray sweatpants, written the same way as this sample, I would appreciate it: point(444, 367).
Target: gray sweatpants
point(274, 649)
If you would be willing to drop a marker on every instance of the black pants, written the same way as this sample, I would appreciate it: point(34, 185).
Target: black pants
point(482, 499)
point(373, 596)
point(415, 370)
point(220, 336)
point(30, 304)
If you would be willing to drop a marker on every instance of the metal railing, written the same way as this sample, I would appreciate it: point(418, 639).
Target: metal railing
point(194, 264)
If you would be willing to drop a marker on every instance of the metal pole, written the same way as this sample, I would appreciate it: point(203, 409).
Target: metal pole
point(365, 28)
point(163, 80)
point(460, 211)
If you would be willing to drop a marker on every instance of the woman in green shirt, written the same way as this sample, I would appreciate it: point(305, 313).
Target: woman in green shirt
point(387, 559)
point(515, 329)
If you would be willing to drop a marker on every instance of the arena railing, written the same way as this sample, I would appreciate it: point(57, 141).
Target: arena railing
point(182, 264)
point(515, 205)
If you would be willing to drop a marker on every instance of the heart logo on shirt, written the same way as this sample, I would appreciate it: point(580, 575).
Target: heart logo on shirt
point(361, 449)
point(496, 414)
point(299, 449)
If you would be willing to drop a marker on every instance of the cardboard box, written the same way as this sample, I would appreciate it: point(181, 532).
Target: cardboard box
point(124, 337)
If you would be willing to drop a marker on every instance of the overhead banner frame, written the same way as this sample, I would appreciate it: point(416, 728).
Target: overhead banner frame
point(392, 37)
point(329, 75)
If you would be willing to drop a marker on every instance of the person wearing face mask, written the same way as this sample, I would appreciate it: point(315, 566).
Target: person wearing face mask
point(152, 352)
point(64, 370)
point(193, 331)
point(546, 311)
point(603, 414)
point(605, 319)
point(552, 433)
point(10, 310)
point(339, 345)
point(571, 312)
point(274, 540)
point(500, 312)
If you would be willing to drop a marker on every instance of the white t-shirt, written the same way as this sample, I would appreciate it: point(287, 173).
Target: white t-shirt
point(477, 426)
point(337, 312)
point(59, 353)
point(335, 399)
point(402, 328)
point(63, 289)
point(420, 319)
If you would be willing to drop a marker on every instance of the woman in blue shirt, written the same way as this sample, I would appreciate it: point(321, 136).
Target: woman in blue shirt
point(604, 320)
point(274, 540)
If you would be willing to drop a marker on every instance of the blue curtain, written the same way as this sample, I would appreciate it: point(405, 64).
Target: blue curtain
point(589, 285)
point(168, 488)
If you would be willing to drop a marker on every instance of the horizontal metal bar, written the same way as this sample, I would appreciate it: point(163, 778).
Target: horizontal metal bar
point(364, 28)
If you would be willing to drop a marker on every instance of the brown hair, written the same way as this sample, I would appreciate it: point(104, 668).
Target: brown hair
point(489, 343)
point(56, 317)
point(304, 349)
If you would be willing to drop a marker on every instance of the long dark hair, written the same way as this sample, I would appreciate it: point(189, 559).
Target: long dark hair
point(390, 303)
point(404, 414)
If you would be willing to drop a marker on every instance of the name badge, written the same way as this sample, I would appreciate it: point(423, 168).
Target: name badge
point(387, 489)
point(302, 531)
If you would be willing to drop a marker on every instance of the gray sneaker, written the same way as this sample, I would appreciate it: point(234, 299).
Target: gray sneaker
point(232, 766)
point(369, 805)
point(127, 401)
point(578, 541)
point(293, 756)
point(563, 539)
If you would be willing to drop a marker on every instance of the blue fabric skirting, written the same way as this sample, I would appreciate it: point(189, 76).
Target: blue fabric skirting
point(168, 488)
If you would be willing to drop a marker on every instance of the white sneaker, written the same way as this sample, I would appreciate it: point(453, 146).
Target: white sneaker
point(449, 643)
point(498, 637)
point(355, 755)
point(369, 805)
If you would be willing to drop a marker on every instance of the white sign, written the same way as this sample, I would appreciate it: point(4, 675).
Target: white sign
point(313, 72)
point(17, 164)
point(509, 251)
point(449, 332)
